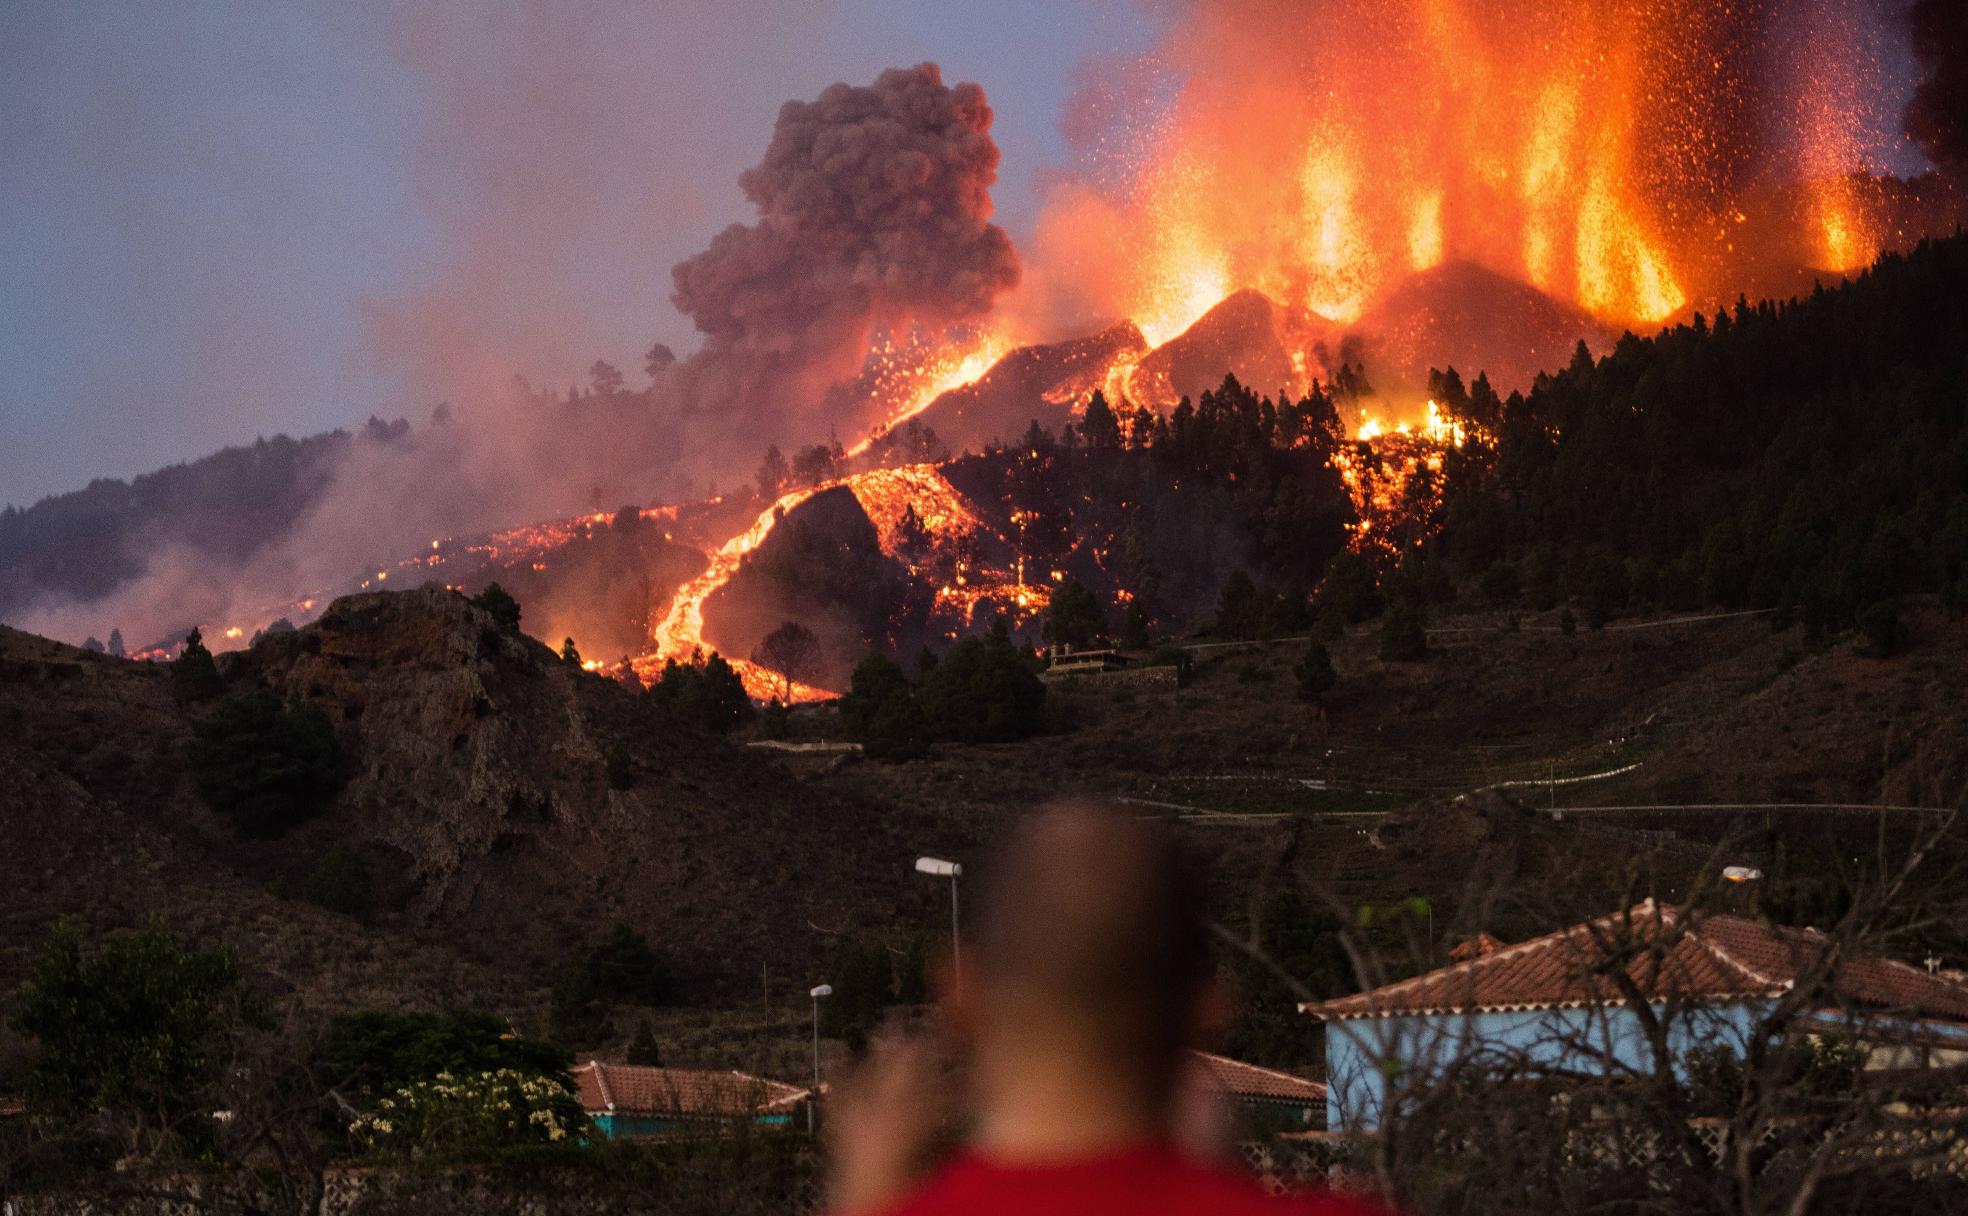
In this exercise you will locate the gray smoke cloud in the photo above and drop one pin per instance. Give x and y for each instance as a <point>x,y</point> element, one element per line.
<point>874,211</point>
<point>1937,116</point>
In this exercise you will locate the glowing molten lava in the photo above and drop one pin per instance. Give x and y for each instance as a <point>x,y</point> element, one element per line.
<point>913,384</point>
<point>891,499</point>
<point>1616,154</point>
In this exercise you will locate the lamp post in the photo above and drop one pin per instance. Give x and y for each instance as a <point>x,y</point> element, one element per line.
<point>816,994</point>
<point>938,868</point>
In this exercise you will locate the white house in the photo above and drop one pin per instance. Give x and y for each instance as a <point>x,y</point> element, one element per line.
<point>1569,1000</point>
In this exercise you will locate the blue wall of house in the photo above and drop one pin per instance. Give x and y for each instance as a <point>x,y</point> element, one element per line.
<point>1367,1059</point>
<point>620,1126</point>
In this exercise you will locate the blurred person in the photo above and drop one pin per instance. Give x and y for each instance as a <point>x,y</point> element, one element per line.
<point>1088,979</point>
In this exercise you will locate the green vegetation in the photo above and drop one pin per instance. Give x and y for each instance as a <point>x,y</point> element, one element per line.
<point>985,690</point>
<point>707,693</point>
<point>868,977</point>
<point>130,1035</point>
<point>194,673</point>
<point>643,1049</point>
<point>340,882</point>
<point>1810,454</point>
<point>369,1054</point>
<point>1073,617</point>
<point>499,602</point>
<point>471,1113</point>
<point>1290,932</point>
<point>793,651</point>
<point>619,969</point>
<point>1403,634</point>
<point>1315,673</point>
<point>265,765</point>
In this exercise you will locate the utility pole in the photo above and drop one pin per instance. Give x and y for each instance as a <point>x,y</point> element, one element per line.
<point>813,1099</point>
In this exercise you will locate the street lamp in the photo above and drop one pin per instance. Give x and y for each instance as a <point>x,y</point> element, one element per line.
<point>938,868</point>
<point>816,994</point>
<point>1741,873</point>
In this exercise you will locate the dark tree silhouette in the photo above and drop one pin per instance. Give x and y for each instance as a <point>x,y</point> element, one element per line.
<point>793,651</point>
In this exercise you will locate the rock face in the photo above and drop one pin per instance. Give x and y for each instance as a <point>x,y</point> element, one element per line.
<point>477,790</point>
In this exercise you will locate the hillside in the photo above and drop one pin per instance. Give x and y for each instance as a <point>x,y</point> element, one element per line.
<point>476,792</point>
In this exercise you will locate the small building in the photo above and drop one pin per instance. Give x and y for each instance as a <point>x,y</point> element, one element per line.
<point>629,1101</point>
<point>1066,661</point>
<point>1274,1097</point>
<point>1568,1000</point>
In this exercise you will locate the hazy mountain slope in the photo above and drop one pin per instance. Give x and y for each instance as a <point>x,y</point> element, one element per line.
<point>476,790</point>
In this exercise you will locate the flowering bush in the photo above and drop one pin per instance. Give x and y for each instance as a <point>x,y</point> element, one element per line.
<point>482,1110</point>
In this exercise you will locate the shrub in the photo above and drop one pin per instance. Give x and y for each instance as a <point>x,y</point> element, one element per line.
<point>340,882</point>
<point>1315,673</point>
<point>499,602</point>
<point>471,1112</point>
<point>984,691</point>
<point>265,765</point>
<point>707,693</point>
<point>1403,637</point>
<point>368,1053</point>
<point>129,1030</point>
<point>1885,633</point>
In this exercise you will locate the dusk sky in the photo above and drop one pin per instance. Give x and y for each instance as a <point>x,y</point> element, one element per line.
<point>210,214</point>
<point>225,220</point>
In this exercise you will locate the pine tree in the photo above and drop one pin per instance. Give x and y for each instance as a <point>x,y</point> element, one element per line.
<point>643,1050</point>
<point>1098,426</point>
<point>194,674</point>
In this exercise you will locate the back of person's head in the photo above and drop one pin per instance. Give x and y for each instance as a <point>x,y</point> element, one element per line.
<point>1091,937</point>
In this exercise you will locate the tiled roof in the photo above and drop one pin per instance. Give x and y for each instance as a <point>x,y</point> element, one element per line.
<point>1664,953</point>
<point>1241,1080</point>
<point>630,1089</point>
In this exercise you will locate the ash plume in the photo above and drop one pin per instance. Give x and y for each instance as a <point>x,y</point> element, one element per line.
<point>874,212</point>
<point>1937,116</point>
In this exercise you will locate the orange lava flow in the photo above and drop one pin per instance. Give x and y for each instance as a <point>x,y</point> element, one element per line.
<point>887,497</point>
<point>916,386</point>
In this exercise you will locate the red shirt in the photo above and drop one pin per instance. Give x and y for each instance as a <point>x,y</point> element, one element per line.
<point>1149,1181</point>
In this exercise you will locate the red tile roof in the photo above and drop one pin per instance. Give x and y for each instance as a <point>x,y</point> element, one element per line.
<point>1664,953</point>
<point>1241,1080</point>
<point>630,1089</point>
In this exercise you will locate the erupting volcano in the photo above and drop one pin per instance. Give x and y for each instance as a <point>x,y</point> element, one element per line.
<point>1324,201</point>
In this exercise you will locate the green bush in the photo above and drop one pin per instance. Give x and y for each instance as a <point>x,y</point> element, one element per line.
<point>707,693</point>
<point>500,603</point>
<point>366,1054</point>
<point>471,1112</point>
<point>1403,636</point>
<point>265,765</point>
<point>984,691</point>
<point>1315,673</point>
<point>340,882</point>
<point>129,1033</point>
